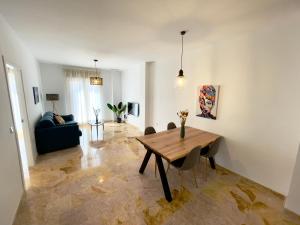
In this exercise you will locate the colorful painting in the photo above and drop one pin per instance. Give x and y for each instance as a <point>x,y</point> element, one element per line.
<point>207,101</point>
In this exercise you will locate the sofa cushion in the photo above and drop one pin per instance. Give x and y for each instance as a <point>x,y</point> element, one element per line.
<point>59,119</point>
<point>70,122</point>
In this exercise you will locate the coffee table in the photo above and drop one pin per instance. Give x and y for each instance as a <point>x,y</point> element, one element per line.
<point>93,123</point>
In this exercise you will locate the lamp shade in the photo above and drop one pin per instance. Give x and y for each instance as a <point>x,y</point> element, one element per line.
<point>96,80</point>
<point>52,97</point>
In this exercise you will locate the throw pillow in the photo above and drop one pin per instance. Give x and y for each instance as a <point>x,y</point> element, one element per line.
<point>59,119</point>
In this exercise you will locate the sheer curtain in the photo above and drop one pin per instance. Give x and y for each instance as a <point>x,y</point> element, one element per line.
<point>81,97</point>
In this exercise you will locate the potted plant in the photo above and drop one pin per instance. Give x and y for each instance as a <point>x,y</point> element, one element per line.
<point>118,110</point>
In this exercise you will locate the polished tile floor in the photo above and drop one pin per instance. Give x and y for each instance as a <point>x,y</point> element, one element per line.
<point>99,183</point>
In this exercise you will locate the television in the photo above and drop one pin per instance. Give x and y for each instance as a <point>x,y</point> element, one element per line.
<point>133,108</point>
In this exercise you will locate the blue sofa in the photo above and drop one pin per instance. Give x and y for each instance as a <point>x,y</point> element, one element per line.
<point>51,136</point>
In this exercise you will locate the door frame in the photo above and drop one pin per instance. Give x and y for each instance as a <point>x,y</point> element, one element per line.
<point>4,62</point>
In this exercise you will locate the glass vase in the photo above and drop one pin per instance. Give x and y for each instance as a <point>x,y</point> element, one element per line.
<point>182,130</point>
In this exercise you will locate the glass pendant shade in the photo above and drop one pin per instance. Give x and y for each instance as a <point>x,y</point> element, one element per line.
<point>180,81</point>
<point>96,81</point>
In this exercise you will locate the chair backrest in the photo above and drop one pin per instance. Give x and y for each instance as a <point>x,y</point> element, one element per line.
<point>191,159</point>
<point>214,147</point>
<point>149,130</point>
<point>171,126</point>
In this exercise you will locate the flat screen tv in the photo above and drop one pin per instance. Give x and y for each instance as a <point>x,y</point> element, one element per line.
<point>133,108</point>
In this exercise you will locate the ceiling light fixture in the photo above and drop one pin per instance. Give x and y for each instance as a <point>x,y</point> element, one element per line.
<point>97,79</point>
<point>180,75</point>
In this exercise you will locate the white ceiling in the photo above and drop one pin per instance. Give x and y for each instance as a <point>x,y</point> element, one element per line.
<point>121,32</point>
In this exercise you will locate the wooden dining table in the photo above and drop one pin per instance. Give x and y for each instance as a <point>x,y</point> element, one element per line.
<point>169,145</point>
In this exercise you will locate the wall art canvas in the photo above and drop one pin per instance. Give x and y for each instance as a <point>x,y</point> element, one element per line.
<point>207,101</point>
<point>36,95</point>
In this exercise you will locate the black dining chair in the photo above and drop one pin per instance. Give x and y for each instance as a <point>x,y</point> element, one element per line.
<point>187,163</point>
<point>171,126</point>
<point>209,152</point>
<point>150,130</point>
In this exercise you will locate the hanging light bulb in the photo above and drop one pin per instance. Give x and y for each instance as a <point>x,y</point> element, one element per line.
<point>180,76</point>
<point>97,79</point>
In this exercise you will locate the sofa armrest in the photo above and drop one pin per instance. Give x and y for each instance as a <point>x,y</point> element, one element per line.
<point>69,117</point>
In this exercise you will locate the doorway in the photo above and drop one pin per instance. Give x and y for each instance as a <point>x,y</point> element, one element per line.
<point>20,117</point>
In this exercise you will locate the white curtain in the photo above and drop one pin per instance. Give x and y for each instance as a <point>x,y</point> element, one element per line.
<point>81,97</point>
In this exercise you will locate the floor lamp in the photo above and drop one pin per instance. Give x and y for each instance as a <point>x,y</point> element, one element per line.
<point>53,98</point>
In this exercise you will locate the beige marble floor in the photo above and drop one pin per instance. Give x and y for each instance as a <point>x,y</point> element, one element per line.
<point>99,183</point>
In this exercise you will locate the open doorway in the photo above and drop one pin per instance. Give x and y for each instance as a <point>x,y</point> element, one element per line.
<point>20,117</point>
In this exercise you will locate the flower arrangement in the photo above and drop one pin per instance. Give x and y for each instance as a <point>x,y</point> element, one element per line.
<point>183,116</point>
<point>96,112</point>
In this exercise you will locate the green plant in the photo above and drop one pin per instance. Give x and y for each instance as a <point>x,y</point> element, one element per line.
<point>118,110</point>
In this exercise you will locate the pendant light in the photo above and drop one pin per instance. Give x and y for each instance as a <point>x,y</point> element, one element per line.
<point>97,79</point>
<point>180,74</point>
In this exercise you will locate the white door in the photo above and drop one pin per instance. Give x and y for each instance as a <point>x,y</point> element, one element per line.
<point>10,170</point>
<point>18,104</point>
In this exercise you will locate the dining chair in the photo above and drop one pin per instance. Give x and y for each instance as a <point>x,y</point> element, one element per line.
<point>188,162</point>
<point>209,152</point>
<point>171,126</point>
<point>150,130</point>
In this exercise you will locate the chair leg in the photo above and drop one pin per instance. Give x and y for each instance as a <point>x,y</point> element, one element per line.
<point>206,168</point>
<point>155,168</point>
<point>195,176</point>
<point>181,178</point>
<point>168,167</point>
<point>200,167</point>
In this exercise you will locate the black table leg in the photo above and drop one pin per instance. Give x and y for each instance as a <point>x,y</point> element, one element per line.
<point>145,161</point>
<point>212,162</point>
<point>163,178</point>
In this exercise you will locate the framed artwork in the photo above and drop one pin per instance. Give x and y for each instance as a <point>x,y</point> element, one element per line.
<point>36,95</point>
<point>207,101</point>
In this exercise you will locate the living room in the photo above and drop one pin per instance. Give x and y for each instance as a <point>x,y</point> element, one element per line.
<point>198,73</point>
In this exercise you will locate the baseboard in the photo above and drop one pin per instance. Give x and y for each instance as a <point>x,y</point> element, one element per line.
<point>281,196</point>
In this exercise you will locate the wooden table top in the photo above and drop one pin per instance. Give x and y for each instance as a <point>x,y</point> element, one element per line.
<point>170,146</point>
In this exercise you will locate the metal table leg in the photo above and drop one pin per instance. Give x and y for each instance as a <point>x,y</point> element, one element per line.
<point>145,161</point>
<point>91,132</point>
<point>97,131</point>
<point>163,178</point>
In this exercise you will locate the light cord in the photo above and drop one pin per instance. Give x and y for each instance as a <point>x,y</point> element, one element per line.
<point>181,50</point>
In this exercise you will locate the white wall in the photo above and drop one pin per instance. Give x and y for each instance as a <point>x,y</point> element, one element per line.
<point>11,188</point>
<point>293,199</point>
<point>258,110</point>
<point>18,55</point>
<point>54,81</point>
<point>133,89</point>
<point>117,87</point>
<point>112,90</point>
